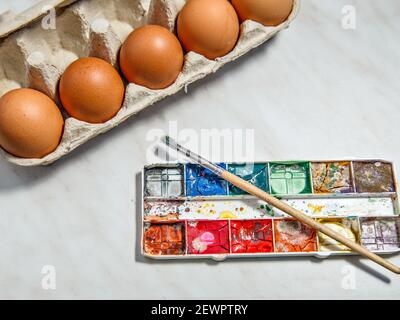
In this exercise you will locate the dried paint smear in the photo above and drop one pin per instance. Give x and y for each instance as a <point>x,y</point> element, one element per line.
<point>208,237</point>
<point>294,236</point>
<point>380,234</point>
<point>251,236</point>
<point>383,206</point>
<point>164,239</point>
<point>161,210</point>
<point>224,209</point>
<point>373,177</point>
<point>331,177</point>
<point>257,209</point>
<point>347,227</point>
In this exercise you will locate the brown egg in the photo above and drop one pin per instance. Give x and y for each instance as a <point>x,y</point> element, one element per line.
<point>91,90</point>
<point>152,57</point>
<point>267,12</point>
<point>208,27</point>
<point>31,125</point>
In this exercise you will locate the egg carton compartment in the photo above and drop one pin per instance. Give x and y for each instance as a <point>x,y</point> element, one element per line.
<point>35,55</point>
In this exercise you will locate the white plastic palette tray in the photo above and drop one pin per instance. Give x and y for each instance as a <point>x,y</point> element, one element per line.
<point>190,213</point>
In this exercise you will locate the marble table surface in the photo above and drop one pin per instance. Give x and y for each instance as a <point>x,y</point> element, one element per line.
<point>317,91</point>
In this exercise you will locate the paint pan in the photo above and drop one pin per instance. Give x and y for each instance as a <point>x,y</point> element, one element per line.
<point>188,212</point>
<point>290,178</point>
<point>332,177</point>
<point>208,237</point>
<point>380,234</point>
<point>293,236</point>
<point>251,236</point>
<point>164,239</point>
<point>347,227</point>
<point>164,182</point>
<point>202,182</point>
<point>255,173</point>
<point>374,176</point>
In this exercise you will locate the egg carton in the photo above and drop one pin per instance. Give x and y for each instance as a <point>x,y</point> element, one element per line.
<point>36,49</point>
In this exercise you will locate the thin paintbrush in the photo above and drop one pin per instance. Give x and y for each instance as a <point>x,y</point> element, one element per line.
<point>251,189</point>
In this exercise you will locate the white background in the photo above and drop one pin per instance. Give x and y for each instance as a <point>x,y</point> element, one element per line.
<point>315,91</point>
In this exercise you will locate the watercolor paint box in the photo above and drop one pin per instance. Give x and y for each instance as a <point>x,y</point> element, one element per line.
<point>188,212</point>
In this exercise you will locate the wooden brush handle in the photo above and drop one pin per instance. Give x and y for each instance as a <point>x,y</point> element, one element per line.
<point>246,186</point>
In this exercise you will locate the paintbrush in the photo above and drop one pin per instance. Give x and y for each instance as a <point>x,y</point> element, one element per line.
<point>273,201</point>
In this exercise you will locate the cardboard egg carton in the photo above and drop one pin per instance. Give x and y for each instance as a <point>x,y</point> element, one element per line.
<point>36,49</point>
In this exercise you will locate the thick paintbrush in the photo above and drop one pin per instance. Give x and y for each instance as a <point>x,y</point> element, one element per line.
<point>251,189</point>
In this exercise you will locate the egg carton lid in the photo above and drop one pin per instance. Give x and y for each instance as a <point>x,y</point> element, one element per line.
<point>32,14</point>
